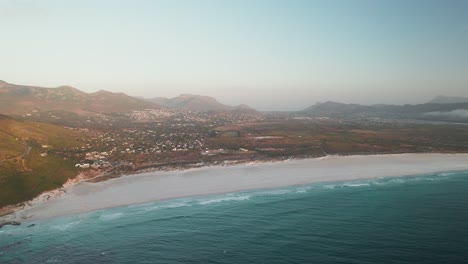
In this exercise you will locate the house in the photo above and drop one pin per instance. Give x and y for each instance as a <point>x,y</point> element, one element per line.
<point>83,165</point>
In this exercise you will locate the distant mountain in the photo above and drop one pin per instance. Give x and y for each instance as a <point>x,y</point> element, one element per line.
<point>454,112</point>
<point>197,103</point>
<point>441,99</point>
<point>20,99</point>
<point>163,101</point>
<point>333,108</point>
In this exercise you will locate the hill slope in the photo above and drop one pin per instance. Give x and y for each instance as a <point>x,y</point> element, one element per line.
<point>24,173</point>
<point>20,99</point>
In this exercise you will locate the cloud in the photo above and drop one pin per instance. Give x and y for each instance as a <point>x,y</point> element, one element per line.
<point>454,114</point>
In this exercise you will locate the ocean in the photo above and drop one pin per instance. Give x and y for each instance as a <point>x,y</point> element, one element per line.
<point>412,219</point>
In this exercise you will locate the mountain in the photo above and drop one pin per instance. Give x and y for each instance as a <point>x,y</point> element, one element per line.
<point>333,108</point>
<point>21,99</point>
<point>441,99</point>
<point>454,112</point>
<point>163,101</point>
<point>197,103</point>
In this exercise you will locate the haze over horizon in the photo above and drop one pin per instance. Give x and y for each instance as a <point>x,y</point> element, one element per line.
<point>271,55</point>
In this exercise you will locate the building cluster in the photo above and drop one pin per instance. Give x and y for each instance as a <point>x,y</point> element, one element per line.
<point>155,132</point>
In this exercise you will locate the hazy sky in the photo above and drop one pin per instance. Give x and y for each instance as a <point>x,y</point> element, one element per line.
<point>268,54</point>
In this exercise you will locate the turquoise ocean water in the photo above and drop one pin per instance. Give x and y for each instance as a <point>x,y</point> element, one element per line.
<point>417,219</point>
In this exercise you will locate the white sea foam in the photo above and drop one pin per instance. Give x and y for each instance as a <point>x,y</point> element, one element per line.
<point>352,184</point>
<point>303,189</point>
<point>111,216</point>
<point>167,206</point>
<point>63,227</point>
<point>445,174</point>
<point>355,184</point>
<point>225,199</point>
<point>275,192</point>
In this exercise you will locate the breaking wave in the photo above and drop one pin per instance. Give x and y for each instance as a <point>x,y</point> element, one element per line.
<point>111,216</point>
<point>65,226</point>
<point>225,199</point>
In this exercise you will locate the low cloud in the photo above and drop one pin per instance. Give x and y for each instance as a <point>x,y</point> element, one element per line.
<point>454,114</point>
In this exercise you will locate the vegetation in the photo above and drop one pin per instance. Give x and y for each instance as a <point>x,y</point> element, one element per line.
<point>343,137</point>
<point>40,174</point>
<point>24,172</point>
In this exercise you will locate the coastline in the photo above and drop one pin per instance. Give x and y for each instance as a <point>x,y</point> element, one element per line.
<point>79,196</point>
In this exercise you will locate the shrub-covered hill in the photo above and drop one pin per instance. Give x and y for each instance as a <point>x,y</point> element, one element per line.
<point>34,157</point>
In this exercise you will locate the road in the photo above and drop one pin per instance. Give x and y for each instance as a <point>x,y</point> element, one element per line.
<point>27,149</point>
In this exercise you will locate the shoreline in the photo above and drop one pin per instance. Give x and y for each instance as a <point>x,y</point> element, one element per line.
<point>80,196</point>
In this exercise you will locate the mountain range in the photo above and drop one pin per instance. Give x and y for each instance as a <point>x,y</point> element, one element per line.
<point>199,103</point>
<point>21,99</point>
<point>456,112</point>
<point>441,99</point>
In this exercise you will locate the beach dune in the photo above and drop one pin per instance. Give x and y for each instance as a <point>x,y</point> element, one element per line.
<point>155,186</point>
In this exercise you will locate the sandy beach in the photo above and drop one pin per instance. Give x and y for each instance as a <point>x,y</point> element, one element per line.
<point>157,186</point>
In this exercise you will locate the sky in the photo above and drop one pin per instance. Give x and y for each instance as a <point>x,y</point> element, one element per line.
<point>269,54</point>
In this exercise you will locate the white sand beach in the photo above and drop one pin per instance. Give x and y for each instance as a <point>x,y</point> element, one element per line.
<point>156,186</point>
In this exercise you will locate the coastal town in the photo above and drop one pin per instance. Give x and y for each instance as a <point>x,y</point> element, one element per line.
<point>151,137</point>
<point>164,139</point>
<point>166,131</point>
<point>54,135</point>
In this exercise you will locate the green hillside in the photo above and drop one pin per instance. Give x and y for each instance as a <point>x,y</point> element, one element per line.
<point>24,172</point>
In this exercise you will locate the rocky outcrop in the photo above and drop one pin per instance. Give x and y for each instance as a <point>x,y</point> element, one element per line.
<point>2,224</point>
